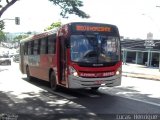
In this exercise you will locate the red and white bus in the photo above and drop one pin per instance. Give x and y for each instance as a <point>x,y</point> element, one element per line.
<point>76,55</point>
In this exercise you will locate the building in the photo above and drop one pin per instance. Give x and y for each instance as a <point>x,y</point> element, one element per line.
<point>146,52</point>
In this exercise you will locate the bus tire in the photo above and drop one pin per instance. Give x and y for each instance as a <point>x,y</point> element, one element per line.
<point>28,74</point>
<point>52,80</point>
<point>94,88</point>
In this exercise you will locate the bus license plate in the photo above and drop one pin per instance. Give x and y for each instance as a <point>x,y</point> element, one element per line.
<point>99,82</point>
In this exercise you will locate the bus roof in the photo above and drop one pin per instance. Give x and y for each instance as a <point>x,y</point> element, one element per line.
<point>40,35</point>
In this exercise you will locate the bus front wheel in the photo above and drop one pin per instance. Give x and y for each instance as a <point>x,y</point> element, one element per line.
<point>53,83</point>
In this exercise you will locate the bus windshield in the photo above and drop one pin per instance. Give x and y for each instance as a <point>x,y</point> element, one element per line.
<point>95,49</point>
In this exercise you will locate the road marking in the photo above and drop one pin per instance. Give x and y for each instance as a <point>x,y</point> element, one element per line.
<point>147,102</point>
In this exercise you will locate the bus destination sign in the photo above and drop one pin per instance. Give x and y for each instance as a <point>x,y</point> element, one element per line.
<point>93,28</point>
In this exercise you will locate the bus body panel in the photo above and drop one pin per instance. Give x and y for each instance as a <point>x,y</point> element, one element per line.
<point>39,65</point>
<point>94,77</point>
<point>98,69</point>
<point>79,82</point>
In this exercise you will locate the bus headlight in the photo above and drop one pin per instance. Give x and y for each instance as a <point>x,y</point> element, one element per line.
<point>119,71</point>
<point>72,71</point>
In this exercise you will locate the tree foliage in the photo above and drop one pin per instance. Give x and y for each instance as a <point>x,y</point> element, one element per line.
<point>70,7</point>
<point>20,37</point>
<point>67,7</point>
<point>2,36</point>
<point>4,7</point>
<point>53,25</point>
<point>2,25</point>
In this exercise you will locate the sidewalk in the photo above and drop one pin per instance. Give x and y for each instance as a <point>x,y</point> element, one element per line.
<point>140,71</point>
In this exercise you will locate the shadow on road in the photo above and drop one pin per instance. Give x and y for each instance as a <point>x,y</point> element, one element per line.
<point>131,92</point>
<point>72,92</point>
<point>100,100</point>
<point>70,104</point>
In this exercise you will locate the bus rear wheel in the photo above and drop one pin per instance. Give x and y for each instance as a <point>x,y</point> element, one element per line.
<point>53,83</point>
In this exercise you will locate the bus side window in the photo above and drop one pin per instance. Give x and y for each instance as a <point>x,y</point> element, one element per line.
<point>26,48</point>
<point>22,48</point>
<point>43,46</point>
<point>46,38</point>
<point>51,44</point>
<point>29,48</point>
<point>39,45</point>
<point>32,47</point>
<point>35,50</point>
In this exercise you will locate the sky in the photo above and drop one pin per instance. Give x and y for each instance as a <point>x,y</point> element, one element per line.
<point>134,18</point>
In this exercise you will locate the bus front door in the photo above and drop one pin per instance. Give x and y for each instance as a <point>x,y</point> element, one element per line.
<point>62,61</point>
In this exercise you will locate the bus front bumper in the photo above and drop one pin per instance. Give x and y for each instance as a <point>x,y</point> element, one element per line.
<point>79,82</point>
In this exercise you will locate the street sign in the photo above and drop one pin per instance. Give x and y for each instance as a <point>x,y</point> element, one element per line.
<point>149,43</point>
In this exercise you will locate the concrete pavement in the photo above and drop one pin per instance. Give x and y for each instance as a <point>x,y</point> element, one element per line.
<point>141,71</point>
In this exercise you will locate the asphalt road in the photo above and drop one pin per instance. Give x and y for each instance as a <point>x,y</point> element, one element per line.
<point>34,100</point>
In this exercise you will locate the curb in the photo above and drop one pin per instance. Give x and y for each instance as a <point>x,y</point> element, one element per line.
<point>142,76</point>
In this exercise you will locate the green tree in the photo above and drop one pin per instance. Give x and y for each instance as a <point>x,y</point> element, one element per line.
<point>4,7</point>
<point>2,36</point>
<point>53,25</point>
<point>67,7</point>
<point>20,37</point>
<point>70,7</point>
<point>2,25</point>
